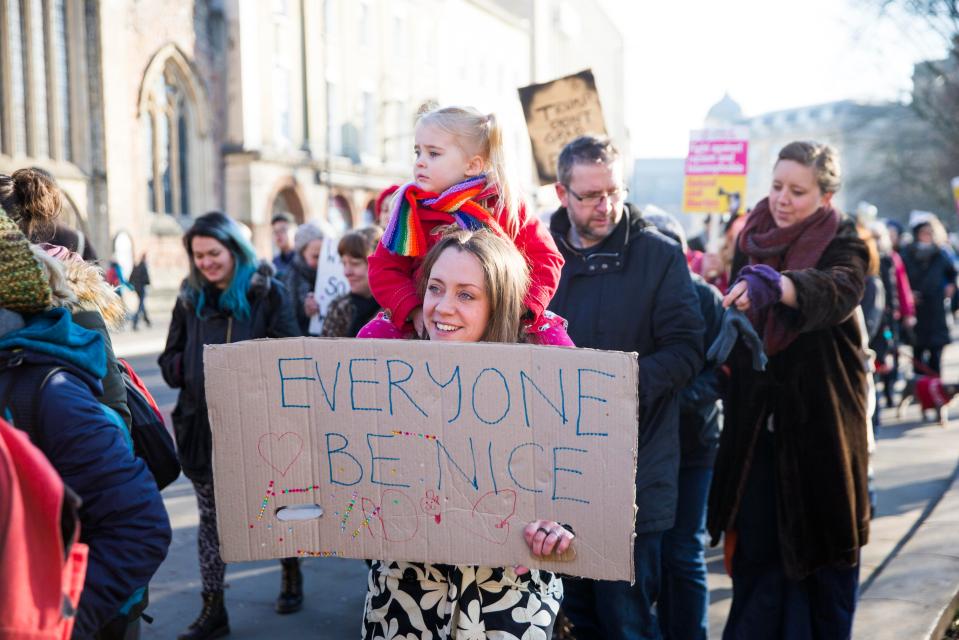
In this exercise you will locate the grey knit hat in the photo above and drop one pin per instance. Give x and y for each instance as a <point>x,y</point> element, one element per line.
<point>305,234</point>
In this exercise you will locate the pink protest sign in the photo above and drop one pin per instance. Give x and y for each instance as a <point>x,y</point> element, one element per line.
<point>716,168</point>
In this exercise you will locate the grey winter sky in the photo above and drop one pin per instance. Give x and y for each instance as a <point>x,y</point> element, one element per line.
<point>768,54</point>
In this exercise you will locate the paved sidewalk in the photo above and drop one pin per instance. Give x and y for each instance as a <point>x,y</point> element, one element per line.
<point>129,343</point>
<point>915,594</point>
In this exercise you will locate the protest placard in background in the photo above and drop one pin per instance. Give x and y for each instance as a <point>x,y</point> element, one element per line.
<point>716,167</point>
<point>422,451</point>
<point>557,112</point>
<point>330,281</point>
<point>955,192</point>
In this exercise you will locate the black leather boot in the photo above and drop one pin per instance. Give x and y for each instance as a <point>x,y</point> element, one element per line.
<point>212,621</point>
<point>290,599</point>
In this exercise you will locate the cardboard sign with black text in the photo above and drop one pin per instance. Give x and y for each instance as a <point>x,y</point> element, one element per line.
<point>423,451</point>
<point>556,113</point>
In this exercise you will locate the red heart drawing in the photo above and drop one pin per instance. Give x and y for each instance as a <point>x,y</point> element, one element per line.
<point>283,456</point>
<point>397,515</point>
<point>491,514</point>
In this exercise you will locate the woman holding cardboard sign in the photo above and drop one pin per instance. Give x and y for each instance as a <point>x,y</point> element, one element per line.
<point>473,287</point>
<point>226,298</point>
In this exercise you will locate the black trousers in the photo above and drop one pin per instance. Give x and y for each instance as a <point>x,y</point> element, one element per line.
<point>766,603</point>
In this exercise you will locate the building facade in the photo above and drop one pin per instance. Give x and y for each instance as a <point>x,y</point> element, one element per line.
<point>863,133</point>
<point>150,113</point>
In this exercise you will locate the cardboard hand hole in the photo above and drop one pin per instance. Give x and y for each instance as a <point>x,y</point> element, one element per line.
<point>299,512</point>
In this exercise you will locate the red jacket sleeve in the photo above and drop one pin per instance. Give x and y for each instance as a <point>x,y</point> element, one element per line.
<point>907,304</point>
<point>545,261</point>
<point>393,285</point>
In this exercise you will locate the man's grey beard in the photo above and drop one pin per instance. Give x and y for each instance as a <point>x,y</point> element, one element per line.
<point>578,233</point>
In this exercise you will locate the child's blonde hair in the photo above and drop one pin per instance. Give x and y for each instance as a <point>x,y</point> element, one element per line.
<point>480,134</point>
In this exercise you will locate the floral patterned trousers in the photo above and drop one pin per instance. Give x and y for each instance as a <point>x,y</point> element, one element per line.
<point>411,601</point>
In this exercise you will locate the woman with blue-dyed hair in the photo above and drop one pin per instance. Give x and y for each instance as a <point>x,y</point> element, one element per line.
<point>228,297</point>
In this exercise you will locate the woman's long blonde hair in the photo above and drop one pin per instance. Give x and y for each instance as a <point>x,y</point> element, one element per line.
<point>505,272</point>
<point>481,134</point>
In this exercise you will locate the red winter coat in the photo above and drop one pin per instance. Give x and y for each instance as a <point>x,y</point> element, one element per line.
<point>393,277</point>
<point>907,304</point>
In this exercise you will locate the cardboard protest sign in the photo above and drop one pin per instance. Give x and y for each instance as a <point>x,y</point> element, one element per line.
<point>557,112</point>
<point>716,167</point>
<point>422,451</point>
<point>330,282</point>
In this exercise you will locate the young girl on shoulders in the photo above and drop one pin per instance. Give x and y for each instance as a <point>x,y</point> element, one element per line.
<point>459,177</point>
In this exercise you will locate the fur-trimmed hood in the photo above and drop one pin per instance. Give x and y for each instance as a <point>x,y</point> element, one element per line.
<point>93,293</point>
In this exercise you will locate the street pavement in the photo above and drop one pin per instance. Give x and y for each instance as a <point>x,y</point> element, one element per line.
<point>914,464</point>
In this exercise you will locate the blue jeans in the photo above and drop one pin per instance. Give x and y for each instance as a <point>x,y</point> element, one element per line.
<point>618,610</point>
<point>684,602</point>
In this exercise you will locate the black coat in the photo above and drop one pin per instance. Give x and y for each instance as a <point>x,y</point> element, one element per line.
<point>700,411</point>
<point>632,292</point>
<point>816,390</point>
<point>300,281</point>
<point>271,316</point>
<point>140,277</point>
<point>929,272</point>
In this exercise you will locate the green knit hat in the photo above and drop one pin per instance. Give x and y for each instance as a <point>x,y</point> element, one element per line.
<point>23,286</point>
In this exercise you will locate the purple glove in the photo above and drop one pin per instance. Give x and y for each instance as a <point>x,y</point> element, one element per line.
<point>764,285</point>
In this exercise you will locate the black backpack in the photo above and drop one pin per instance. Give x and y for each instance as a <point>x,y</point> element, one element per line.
<point>151,440</point>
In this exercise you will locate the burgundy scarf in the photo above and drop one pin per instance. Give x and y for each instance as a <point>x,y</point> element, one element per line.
<point>798,246</point>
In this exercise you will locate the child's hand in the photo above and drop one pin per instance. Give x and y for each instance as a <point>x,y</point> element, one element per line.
<point>418,323</point>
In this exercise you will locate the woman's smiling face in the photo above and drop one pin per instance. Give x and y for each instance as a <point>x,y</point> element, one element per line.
<point>213,260</point>
<point>456,304</point>
<point>794,194</point>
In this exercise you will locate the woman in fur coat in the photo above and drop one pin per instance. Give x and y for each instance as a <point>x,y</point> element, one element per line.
<point>790,484</point>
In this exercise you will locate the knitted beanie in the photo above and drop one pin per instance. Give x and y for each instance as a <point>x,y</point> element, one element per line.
<point>23,287</point>
<point>305,234</point>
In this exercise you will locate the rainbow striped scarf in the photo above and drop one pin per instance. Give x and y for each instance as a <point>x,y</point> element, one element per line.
<point>404,233</point>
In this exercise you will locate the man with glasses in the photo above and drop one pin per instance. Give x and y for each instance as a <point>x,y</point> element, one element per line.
<point>626,287</point>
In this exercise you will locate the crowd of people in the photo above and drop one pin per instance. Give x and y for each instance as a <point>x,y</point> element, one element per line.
<point>801,302</point>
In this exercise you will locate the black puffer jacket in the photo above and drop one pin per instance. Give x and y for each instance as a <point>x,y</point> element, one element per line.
<point>700,411</point>
<point>271,316</point>
<point>632,292</point>
<point>930,270</point>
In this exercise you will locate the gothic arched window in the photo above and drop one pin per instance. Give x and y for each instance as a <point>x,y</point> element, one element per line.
<point>168,127</point>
